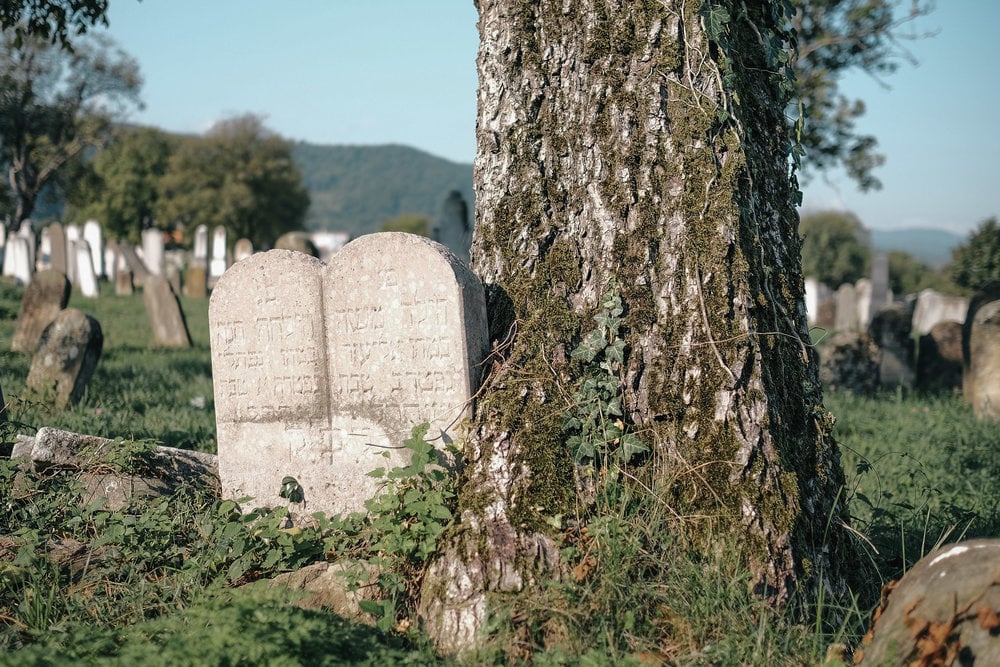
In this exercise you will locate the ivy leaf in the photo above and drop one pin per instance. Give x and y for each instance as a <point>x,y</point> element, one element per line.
<point>716,19</point>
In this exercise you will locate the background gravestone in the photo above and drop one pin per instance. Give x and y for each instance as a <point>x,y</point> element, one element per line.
<point>165,314</point>
<point>452,228</point>
<point>890,329</point>
<point>939,357</point>
<point>242,249</point>
<point>933,307</point>
<point>196,282</point>
<point>94,237</point>
<point>981,352</point>
<point>218,264</point>
<point>85,274</point>
<point>111,260</point>
<point>847,309</point>
<point>72,236</point>
<point>152,251</point>
<point>47,294</point>
<point>130,260</point>
<point>57,248</point>
<point>200,252</point>
<point>17,260</point>
<point>67,355</point>
<point>318,371</point>
<point>849,361</point>
<point>863,302</point>
<point>44,260</point>
<point>297,241</point>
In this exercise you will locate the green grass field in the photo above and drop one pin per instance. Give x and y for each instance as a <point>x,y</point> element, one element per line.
<point>161,587</point>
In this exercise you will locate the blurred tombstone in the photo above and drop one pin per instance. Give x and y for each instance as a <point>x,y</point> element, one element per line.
<point>110,260</point>
<point>847,309</point>
<point>298,242</point>
<point>890,330</point>
<point>881,296</point>
<point>57,253</point>
<point>242,249</point>
<point>981,352</point>
<point>318,369</point>
<point>44,259</point>
<point>173,275</point>
<point>27,232</point>
<point>196,282</point>
<point>939,357</point>
<point>933,307</point>
<point>72,236</point>
<point>452,228</point>
<point>812,299</point>
<point>328,243</point>
<point>863,302</point>
<point>943,611</point>
<point>826,313</point>
<point>17,260</point>
<point>218,264</point>
<point>67,354</point>
<point>200,256</point>
<point>86,276</point>
<point>124,284</point>
<point>94,236</point>
<point>165,314</point>
<point>129,259</point>
<point>849,361</point>
<point>47,294</point>
<point>152,251</point>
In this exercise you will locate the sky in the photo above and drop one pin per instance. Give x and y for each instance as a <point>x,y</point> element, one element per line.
<point>404,72</point>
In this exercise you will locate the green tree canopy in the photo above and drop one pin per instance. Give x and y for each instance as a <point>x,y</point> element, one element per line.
<point>239,175</point>
<point>411,223</point>
<point>55,105</point>
<point>120,186</point>
<point>52,19</point>
<point>835,247</point>
<point>977,261</point>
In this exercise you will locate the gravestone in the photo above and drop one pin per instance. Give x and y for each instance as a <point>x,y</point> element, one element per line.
<point>847,309</point>
<point>452,228</point>
<point>943,611</point>
<point>57,251</point>
<point>85,274</point>
<point>17,260</point>
<point>242,249</point>
<point>196,282</point>
<point>812,299</point>
<point>218,264</point>
<point>849,361</point>
<point>297,241</point>
<point>93,235</point>
<point>319,370</point>
<point>200,257</point>
<point>47,294</point>
<point>129,259</point>
<point>124,285</point>
<point>152,251</point>
<point>939,357</point>
<point>890,329</point>
<point>863,301</point>
<point>881,296</point>
<point>27,232</point>
<point>173,275</point>
<point>66,357</point>
<point>933,307</point>
<point>981,352</point>
<point>111,260</point>
<point>44,260</point>
<point>165,314</point>
<point>72,236</point>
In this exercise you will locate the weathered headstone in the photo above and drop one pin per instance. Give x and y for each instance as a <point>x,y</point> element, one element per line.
<point>66,357</point>
<point>939,357</point>
<point>152,250</point>
<point>196,282</point>
<point>933,307</point>
<point>200,257</point>
<point>44,260</point>
<point>85,275</point>
<point>863,302</point>
<point>297,241</point>
<point>890,329</point>
<point>165,314</point>
<point>124,286</point>
<point>47,294</point>
<point>981,352</point>
<point>319,370</point>
<point>218,264</point>
<point>17,259</point>
<point>242,249</point>
<point>452,228</point>
<point>94,236</point>
<point>849,361</point>
<point>847,309</point>
<point>881,295</point>
<point>944,611</point>
<point>72,236</point>
<point>129,259</point>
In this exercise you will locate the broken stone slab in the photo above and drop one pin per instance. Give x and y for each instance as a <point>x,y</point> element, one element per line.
<point>160,474</point>
<point>945,610</point>
<point>328,586</point>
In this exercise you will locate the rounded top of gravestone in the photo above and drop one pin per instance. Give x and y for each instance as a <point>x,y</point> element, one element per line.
<point>298,242</point>
<point>409,247</point>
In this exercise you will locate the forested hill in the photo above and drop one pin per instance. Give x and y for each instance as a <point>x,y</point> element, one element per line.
<point>357,188</point>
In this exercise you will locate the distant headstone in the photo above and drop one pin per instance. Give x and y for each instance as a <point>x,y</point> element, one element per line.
<point>110,260</point>
<point>452,228</point>
<point>85,274</point>
<point>319,370</point>
<point>881,295</point>
<point>939,357</point>
<point>297,241</point>
<point>195,282</point>
<point>849,361</point>
<point>27,232</point>
<point>812,299</point>
<point>17,260</point>
<point>847,309</point>
<point>152,251</point>
<point>329,242</point>
<point>73,235</point>
<point>981,352</point>
<point>933,307</point>
<point>44,259</point>
<point>943,611</point>
<point>57,248</point>
<point>863,302</point>
<point>124,286</point>
<point>826,313</point>
<point>132,261</point>
<point>200,257</point>
<point>165,314</point>
<point>94,236</point>
<point>218,264</point>
<point>47,294</point>
<point>890,329</point>
<point>242,250</point>
<point>66,357</point>
<point>173,275</point>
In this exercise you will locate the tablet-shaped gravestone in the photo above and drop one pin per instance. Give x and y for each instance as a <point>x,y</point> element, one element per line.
<point>319,370</point>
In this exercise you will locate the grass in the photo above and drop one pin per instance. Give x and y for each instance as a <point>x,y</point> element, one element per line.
<point>159,581</point>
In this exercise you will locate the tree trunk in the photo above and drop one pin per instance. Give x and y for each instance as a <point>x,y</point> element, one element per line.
<point>643,142</point>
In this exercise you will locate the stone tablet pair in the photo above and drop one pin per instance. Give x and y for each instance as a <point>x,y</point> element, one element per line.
<point>320,370</point>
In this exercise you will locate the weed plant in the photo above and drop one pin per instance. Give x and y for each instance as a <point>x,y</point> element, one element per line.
<point>160,582</point>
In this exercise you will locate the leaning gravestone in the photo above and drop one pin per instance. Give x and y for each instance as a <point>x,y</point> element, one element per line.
<point>47,294</point>
<point>319,371</point>
<point>94,237</point>
<point>165,315</point>
<point>66,357</point>
<point>152,251</point>
<point>981,352</point>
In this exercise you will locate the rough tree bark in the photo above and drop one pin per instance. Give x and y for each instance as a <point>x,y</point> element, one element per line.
<point>642,140</point>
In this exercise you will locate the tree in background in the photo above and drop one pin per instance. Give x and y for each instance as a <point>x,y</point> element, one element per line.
<point>55,105</point>
<point>835,247</point>
<point>636,234</point>
<point>119,187</point>
<point>410,223</point>
<point>52,19</point>
<point>977,261</point>
<point>239,175</point>
<point>834,37</point>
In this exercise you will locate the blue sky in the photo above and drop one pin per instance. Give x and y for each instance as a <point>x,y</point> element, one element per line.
<point>404,71</point>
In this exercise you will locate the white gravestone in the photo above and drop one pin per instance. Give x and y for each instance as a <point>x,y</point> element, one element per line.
<point>27,232</point>
<point>72,236</point>
<point>152,251</point>
<point>85,274</point>
<point>17,261</point>
<point>218,264</point>
<point>93,235</point>
<point>44,259</point>
<point>933,307</point>
<point>319,370</point>
<point>200,246</point>
<point>242,250</point>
